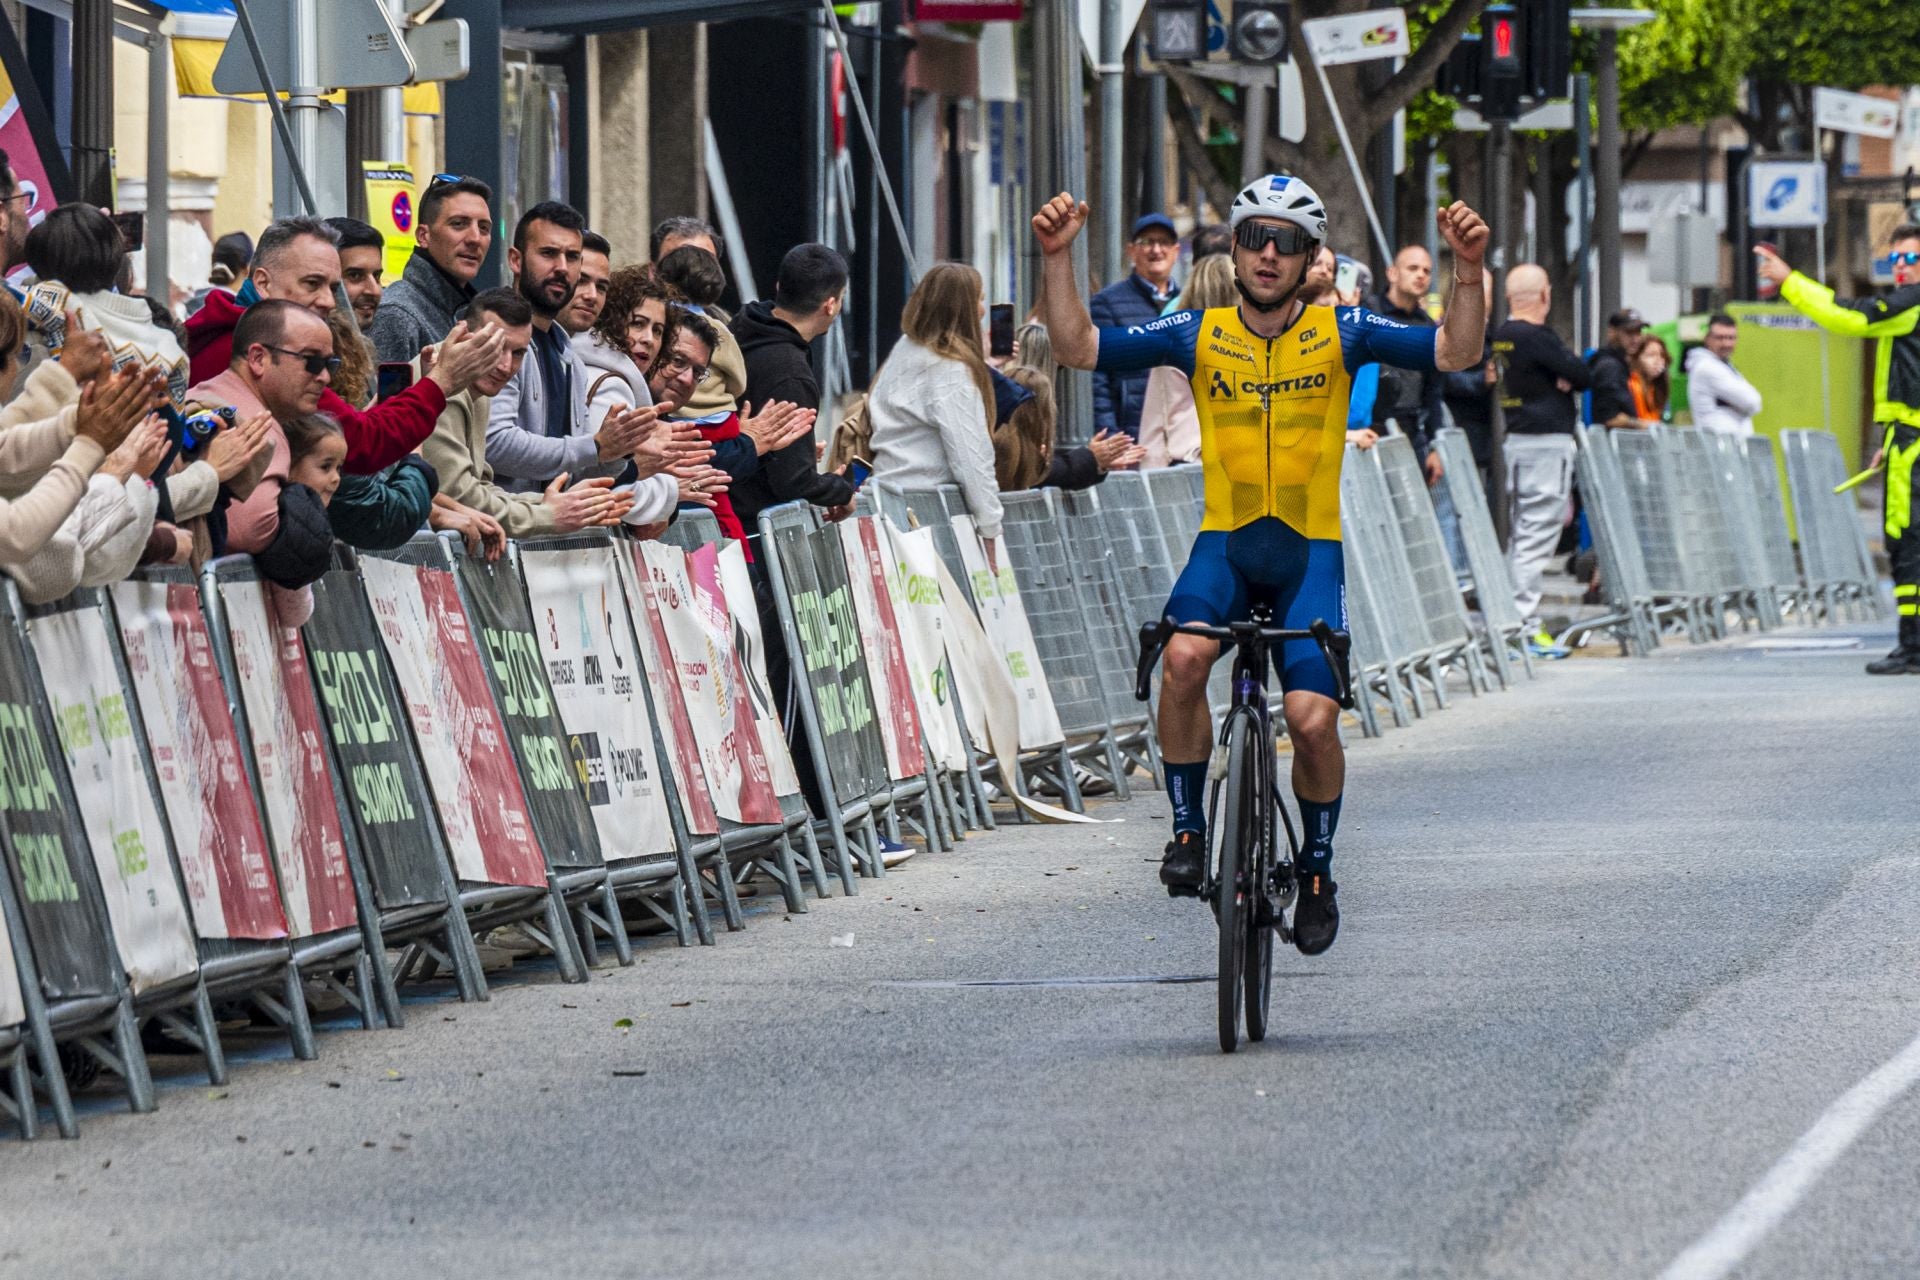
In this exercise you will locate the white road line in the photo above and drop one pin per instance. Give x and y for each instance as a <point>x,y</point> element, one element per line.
<point>1763,1208</point>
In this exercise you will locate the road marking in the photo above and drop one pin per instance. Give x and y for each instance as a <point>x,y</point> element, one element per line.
<point>1793,1175</point>
<point>1055,982</point>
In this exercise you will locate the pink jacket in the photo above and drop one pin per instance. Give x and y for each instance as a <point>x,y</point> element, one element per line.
<point>1169,422</point>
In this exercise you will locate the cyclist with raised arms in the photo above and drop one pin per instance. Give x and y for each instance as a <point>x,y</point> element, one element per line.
<point>1270,378</point>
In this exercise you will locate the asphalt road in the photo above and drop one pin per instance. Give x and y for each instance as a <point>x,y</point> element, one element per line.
<point>1614,943</point>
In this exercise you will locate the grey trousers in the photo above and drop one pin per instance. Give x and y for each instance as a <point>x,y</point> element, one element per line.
<point>1539,479</point>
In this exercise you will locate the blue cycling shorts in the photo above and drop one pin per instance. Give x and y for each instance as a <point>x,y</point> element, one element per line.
<point>1302,580</point>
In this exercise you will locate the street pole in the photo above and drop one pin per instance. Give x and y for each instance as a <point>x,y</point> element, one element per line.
<point>1060,164</point>
<point>1820,274</point>
<point>1113,216</point>
<point>303,95</point>
<point>1583,215</point>
<point>1606,207</point>
<point>1253,129</point>
<point>159,169</point>
<point>1154,170</point>
<point>93,101</point>
<point>1499,200</point>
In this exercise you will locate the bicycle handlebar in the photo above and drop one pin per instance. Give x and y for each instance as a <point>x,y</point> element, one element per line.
<point>1334,646</point>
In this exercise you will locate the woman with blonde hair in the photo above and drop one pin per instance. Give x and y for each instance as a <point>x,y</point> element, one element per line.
<point>1023,444</point>
<point>931,405</point>
<point>1169,422</point>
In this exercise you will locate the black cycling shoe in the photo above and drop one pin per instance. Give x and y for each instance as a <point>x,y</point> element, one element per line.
<point>1316,916</point>
<point>1184,865</point>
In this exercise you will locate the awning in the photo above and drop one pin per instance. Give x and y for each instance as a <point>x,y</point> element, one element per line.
<point>585,16</point>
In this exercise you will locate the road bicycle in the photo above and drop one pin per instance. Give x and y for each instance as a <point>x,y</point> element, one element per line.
<point>1249,886</point>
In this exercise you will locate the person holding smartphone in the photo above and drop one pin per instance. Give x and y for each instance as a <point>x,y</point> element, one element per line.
<point>776,340</point>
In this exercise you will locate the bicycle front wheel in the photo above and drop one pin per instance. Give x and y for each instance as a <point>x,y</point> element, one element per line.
<point>1238,861</point>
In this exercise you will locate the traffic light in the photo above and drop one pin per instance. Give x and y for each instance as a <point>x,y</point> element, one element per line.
<point>1460,74</point>
<point>1502,49</point>
<point>1178,31</point>
<point>1549,55</point>
<point>1262,31</point>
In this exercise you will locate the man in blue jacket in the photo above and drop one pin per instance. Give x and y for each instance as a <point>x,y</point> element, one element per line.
<point>1139,299</point>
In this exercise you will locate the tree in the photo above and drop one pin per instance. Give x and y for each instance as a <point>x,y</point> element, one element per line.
<point>1843,44</point>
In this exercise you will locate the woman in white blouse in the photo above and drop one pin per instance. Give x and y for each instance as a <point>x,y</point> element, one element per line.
<point>931,407</point>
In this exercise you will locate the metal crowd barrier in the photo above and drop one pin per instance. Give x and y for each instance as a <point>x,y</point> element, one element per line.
<point>1504,630</point>
<point>1691,527</point>
<point>1065,634</point>
<point>1439,598</point>
<point>1837,567</point>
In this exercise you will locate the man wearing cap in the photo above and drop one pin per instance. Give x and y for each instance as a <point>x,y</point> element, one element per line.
<point>1137,300</point>
<point>1611,403</point>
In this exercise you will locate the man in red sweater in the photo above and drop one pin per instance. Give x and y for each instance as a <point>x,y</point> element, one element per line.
<point>297,260</point>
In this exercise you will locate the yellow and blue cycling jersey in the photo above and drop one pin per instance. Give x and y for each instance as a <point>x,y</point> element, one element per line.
<point>1273,432</point>
<point>1273,411</point>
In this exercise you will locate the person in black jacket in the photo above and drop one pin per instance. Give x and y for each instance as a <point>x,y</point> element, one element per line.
<point>775,340</point>
<point>1610,402</point>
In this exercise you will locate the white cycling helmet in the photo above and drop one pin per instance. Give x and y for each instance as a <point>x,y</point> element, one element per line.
<point>1282,196</point>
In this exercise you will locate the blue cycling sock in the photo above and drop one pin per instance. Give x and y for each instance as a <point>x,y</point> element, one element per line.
<point>1319,821</point>
<point>1187,788</point>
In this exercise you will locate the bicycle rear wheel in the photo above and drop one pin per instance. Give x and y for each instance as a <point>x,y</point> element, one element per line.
<point>1238,858</point>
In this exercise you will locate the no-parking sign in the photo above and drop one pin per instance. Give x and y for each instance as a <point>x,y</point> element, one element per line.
<point>390,209</point>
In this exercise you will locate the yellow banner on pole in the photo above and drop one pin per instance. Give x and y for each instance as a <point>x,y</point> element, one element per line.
<point>390,208</point>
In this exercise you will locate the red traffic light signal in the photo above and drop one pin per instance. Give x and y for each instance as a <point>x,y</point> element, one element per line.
<point>1503,39</point>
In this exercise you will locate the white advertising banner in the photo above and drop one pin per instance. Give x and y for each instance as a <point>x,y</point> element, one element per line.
<point>723,728</point>
<point>462,740</point>
<point>1005,619</point>
<point>124,827</point>
<point>736,583</point>
<point>13,1009</point>
<point>984,683</point>
<point>893,695</point>
<point>593,665</point>
<point>290,758</point>
<point>1358,37</point>
<point>1861,113</point>
<point>913,580</point>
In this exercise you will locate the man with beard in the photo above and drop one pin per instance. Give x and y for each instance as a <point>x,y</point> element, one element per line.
<point>538,426</point>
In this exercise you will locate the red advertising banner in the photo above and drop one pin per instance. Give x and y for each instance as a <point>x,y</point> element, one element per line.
<point>886,660</point>
<point>463,743</point>
<point>669,699</point>
<point>968,10</point>
<point>290,757</point>
<point>196,752</point>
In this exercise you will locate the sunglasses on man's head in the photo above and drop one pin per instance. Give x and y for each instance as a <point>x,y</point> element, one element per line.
<point>1908,259</point>
<point>315,364</point>
<point>1287,238</point>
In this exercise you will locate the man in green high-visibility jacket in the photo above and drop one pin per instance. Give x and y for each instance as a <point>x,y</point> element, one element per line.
<point>1894,322</point>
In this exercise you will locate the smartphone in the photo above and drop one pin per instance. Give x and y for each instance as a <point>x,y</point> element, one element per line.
<point>1346,277</point>
<point>395,376</point>
<point>1000,330</point>
<point>133,229</point>
<point>859,470</point>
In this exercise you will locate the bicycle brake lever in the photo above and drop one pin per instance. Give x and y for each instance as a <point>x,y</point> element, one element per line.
<point>1334,647</point>
<point>1153,639</point>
